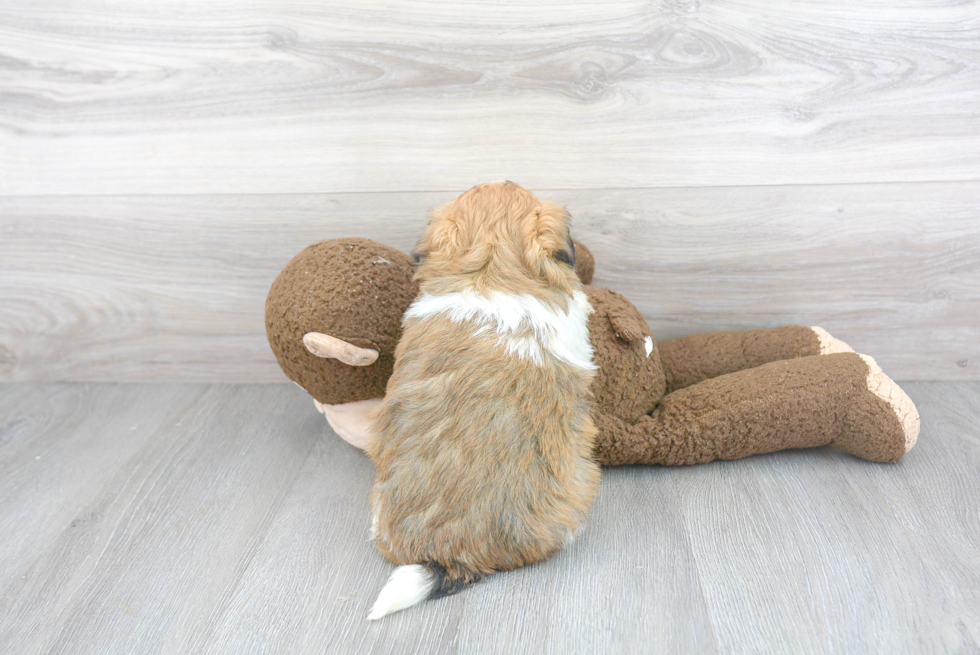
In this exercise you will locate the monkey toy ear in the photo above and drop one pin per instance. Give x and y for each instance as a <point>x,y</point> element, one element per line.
<point>324,345</point>
<point>628,327</point>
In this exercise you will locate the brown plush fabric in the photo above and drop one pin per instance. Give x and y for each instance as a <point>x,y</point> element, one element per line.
<point>734,393</point>
<point>871,429</point>
<point>799,403</point>
<point>689,360</point>
<point>352,289</point>
<point>629,383</point>
<point>584,262</point>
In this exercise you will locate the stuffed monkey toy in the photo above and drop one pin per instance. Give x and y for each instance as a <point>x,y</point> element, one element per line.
<point>333,318</point>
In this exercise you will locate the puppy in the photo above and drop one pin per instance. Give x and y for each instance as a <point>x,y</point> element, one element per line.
<point>483,442</point>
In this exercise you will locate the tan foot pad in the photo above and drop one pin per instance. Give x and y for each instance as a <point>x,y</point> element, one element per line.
<point>830,344</point>
<point>885,388</point>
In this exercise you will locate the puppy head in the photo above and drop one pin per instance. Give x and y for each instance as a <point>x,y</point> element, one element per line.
<point>498,237</point>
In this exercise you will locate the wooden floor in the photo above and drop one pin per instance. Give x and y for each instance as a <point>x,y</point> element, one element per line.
<point>186,518</point>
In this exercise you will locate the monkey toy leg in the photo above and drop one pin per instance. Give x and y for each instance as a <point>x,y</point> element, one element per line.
<point>842,399</point>
<point>699,357</point>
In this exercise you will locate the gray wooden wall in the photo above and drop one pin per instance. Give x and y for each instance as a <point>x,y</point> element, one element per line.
<point>732,164</point>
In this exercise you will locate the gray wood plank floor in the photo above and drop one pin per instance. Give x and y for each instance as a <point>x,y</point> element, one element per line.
<point>186,518</point>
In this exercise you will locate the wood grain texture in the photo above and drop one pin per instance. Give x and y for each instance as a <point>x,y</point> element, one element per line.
<point>160,540</point>
<point>115,97</point>
<point>55,452</point>
<point>173,288</point>
<point>237,522</point>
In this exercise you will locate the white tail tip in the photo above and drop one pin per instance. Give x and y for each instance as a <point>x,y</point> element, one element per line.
<point>407,585</point>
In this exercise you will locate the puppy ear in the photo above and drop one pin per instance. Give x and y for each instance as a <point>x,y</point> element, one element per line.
<point>545,235</point>
<point>568,255</point>
<point>440,244</point>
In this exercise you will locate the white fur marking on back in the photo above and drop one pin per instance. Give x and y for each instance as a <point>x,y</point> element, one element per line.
<point>648,345</point>
<point>525,348</point>
<point>563,334</point>
<point>407,585</point>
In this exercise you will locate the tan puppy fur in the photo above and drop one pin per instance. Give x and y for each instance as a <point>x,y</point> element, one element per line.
<point>483,442</point>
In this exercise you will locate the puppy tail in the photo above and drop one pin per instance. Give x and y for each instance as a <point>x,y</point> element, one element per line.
<point>414,583</point>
